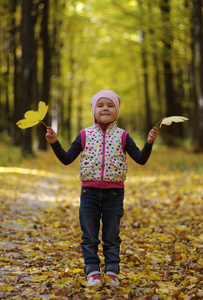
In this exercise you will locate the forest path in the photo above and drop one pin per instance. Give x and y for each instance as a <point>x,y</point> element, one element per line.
<point>161,231</point>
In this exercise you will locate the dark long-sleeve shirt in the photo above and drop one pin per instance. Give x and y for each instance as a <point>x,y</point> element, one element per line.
<point>67,157</point>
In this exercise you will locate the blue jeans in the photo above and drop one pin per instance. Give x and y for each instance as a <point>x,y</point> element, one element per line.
<point>107,205</point>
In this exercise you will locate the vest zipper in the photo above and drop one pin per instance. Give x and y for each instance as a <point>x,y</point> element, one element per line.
<point>103,157</point>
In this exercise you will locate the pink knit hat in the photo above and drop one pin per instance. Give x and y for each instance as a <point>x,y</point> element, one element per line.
<point>105,94</point>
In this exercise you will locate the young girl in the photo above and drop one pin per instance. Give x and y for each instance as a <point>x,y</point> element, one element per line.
<point>102,172</point>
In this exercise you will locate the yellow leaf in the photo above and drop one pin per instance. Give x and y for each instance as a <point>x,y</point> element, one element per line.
<point>66,280</point>
<point>130,264</point>
<point>38,257</point>
<point>39,278</point>
<point>154,258</point>
<point>121,276</point>
<point>33,254</point>
<point>59,285</point>
<point>168,121</point>
<point>191,286</point>
<point>27,292</point>
<point>134,277</point>
<point>200,262</point>
<point>176,276</point>
<point>184,283</point>
<point>97,295</point>
<point>10,260</point>
<point>161,292</point>
<point>4,258</point>
<point>166,284</point>
<point>193,279</point>
<point>78,270</point>
<point>10,277</point>
<point>82,281</point>
<point>200,238</point>
<point>183,256</point>
<point>32,118</point>
<point>63,245</point>
<point>153,276</point>
<point>102,261</point>
<point>8,288</point>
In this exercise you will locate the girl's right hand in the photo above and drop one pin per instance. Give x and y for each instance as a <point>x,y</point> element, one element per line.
<point>51,135</point>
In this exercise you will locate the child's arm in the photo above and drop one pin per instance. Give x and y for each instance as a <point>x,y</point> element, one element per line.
<point>51,135</point>
<point>66,157</point>
<point>152,135</point>
<point>141,157</point>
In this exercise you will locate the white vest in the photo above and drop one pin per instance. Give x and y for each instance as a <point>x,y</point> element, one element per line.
<point>103,157</point>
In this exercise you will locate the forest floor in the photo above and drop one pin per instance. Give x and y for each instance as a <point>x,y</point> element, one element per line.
<point>161,231</point>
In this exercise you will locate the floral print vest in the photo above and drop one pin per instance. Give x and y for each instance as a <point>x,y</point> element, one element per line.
<point>103,157</point>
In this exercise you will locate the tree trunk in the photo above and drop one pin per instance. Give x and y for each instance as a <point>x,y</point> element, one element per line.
<point>79,106</point>
<point>7,109</point>
<point>146,89</point>
<point>70,88</point>
<point>17,79</point>
<point>158,93</point>
<point>56,67</point>
<point>193,91</point>
<point>28,69</point>
<point>41,129</point>
<point>171,105</point>
<point>197,4</point>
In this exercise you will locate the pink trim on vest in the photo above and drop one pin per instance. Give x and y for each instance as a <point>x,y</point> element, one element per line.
<point>124,136</point>
<point>83,138</point>
<point>103,185</point>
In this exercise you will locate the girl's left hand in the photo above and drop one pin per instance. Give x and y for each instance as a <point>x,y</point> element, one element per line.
<point>152,135</point>
<point>51,135</point>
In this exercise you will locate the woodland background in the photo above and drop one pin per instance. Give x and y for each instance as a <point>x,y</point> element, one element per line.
<point>63,52</point>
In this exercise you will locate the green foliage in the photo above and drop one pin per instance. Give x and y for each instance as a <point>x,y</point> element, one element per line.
<point>100,45</point>
<point>9,154</point>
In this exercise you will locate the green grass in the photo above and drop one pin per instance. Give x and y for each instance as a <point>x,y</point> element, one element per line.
<point>9,154</point>
<point>163,159</point>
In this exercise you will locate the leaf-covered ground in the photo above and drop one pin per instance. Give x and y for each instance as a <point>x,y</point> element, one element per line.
<point>161,231</point>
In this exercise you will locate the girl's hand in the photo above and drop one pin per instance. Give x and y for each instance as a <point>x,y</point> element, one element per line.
<point>152,135</point>
<point>51,135</point>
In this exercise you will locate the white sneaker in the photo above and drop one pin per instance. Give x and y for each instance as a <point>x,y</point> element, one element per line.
<point>112,279</point>
<point>94,278</point>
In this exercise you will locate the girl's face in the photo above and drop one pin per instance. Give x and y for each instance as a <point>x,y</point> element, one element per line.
<point>105,112</point>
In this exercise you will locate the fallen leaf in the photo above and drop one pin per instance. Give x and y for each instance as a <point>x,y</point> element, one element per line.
<point>40,232</point>
<point>200,261</point>
<point>7,288</point>
<point>39,278</point>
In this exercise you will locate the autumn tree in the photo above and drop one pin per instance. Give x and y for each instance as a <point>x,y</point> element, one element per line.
<point>17,71</point>
<point>198,27</point>
<point>46,73</point>
<point>139,26</point>
<point>172,106</point>
<point>29,66</point>
<point>64,52</point>
<point>8,58</point>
